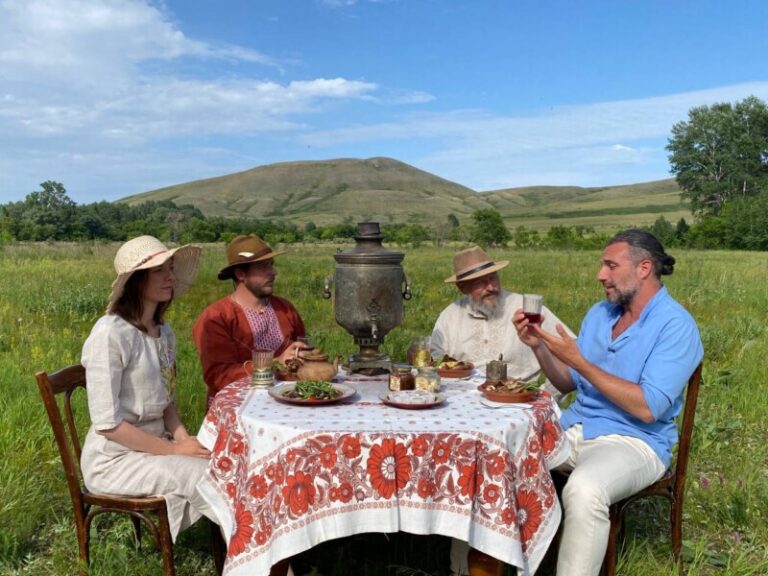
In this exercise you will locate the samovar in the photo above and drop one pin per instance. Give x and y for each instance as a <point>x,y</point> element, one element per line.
<point>369,289</point>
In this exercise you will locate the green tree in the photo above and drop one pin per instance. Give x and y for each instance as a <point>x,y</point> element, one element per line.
<point>746,223</point>
<point>525,237</point>
<point>46,214</point>
<point>488,228</point>
<point>664,231</point>
<point>720,153</point>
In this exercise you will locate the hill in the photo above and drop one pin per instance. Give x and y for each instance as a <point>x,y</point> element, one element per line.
<point>386,190</point>
<point>326,192</point>
<point>607,207</point>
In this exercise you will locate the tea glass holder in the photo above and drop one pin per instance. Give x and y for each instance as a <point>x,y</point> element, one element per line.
<point>261,377</point>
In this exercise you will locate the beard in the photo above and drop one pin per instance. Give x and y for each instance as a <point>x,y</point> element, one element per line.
<point>260,291</point>
<point>622,297</point>
<point>491,308</point>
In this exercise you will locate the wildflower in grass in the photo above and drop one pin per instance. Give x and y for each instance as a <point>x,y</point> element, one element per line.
<point>704,481</point>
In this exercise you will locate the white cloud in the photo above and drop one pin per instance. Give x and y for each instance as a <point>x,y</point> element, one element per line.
<point>473,147</point>
<point>78,68</point>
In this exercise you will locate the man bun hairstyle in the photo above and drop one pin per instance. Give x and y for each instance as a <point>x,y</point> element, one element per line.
<point>645,245</point>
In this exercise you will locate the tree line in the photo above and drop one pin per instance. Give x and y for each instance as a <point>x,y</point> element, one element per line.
<point>719,157</point>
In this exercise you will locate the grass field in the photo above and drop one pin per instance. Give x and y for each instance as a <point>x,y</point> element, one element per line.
<point>50,295</point>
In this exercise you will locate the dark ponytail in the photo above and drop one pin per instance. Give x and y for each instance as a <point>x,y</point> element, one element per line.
<point>645,245</point>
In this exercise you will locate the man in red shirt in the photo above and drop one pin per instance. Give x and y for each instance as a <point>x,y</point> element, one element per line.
<point>251,318</point>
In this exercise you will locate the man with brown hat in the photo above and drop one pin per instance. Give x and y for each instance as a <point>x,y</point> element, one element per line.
<point>251,318</point>
<point>478,327</point>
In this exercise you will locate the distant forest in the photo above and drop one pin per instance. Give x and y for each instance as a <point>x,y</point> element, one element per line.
<point>50,215</point>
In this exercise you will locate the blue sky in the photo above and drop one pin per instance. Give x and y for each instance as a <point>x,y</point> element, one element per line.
<point>117,97</point>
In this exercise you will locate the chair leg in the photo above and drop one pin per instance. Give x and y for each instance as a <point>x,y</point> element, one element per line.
<point>166,544</point>
<point>612,549</point>
<point>217,547</point>
<point>281,568</point>
<point>137,530</point>
<point>83,537</point>
<point>676,522</point>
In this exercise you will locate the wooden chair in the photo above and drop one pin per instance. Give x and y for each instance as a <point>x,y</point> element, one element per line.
<point>88,505</point>
<point>671,485</point>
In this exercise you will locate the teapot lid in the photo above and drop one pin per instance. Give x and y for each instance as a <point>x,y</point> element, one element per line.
<point>316,355</point>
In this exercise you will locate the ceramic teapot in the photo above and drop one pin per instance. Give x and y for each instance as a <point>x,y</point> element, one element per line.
<point>317,367</point>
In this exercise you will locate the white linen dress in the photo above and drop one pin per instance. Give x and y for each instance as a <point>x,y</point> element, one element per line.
<point>130,377</point>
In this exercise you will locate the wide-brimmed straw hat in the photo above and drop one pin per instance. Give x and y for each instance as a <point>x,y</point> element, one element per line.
<point>473,263</point>
<point>147,252</point>
<point>246,250</point>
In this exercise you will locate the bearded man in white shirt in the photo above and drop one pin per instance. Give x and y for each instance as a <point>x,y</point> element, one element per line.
<point>478,326</point>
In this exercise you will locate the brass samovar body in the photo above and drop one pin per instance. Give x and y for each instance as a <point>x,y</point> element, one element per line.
<point>369,288</point>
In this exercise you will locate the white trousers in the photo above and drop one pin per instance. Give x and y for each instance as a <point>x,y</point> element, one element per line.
<point>604,470</point>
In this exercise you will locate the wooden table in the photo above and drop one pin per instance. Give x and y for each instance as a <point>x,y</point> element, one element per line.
<point>284,478</point>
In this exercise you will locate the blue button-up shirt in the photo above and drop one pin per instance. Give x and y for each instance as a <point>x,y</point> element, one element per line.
<point>659,352</point>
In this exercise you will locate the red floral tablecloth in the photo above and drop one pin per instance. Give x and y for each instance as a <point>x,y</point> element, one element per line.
<point>284,478</point>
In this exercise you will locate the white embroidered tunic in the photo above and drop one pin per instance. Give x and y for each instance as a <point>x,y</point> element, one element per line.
<point>130,378</point>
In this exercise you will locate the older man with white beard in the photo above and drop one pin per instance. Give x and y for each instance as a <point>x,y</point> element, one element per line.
<point>478,327</point>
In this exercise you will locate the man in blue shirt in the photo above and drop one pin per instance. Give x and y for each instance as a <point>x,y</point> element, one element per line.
<point>629,366</point>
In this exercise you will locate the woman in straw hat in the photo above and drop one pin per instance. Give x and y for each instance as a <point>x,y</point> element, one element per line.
<point>137,445</point>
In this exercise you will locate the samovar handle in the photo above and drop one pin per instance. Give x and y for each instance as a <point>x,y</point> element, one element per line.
<point>407,292</point>
<point>327,288</point>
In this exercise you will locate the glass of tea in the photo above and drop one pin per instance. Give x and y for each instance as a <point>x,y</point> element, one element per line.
<point>261,377</point>
<point>532,304</point>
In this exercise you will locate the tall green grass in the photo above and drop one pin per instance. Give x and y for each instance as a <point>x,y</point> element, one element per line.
<point>50,295</point>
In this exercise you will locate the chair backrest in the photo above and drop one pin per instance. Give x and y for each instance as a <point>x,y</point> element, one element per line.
<point>686,429</point>
<point>63,383</point>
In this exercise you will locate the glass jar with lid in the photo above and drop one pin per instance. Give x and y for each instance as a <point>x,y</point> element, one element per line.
<point>401,377</point>
<point>418,352</point>
<point>427,379</point>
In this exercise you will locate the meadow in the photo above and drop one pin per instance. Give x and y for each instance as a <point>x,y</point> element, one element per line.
<point>51,294</point>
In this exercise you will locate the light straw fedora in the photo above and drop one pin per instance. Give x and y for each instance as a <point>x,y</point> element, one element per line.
<point>146,252</point>
<point>473,263</point>
<point>246,250</point>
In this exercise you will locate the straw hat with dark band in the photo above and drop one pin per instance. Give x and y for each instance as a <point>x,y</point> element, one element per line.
<point>473,263</point>
<point>246,250</point>
<point>147,252</point>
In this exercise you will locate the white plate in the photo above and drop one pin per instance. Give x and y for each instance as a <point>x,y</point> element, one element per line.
<point>437,400</point>
<point>278,393</point>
